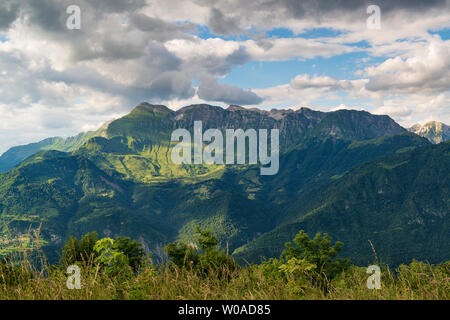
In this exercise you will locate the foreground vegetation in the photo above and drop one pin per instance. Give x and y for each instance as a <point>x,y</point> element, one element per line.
<point>307,269</point>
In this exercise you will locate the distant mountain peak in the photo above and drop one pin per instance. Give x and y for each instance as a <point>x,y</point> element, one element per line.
<point>200,107</point>
<point>234,107</point>
<point>434,131</point>
<point>145,106</point>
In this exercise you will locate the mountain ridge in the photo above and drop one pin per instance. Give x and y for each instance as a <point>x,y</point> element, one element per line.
<point>17,154</point>
<point>434,131</point>
<point>396,202</point>
<point>149,122</point>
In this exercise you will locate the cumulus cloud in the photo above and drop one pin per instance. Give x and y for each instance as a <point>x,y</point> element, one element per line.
<point>428,71</point>
<point>220,24</point>
<point>213,56</point>
<point>396,111</point>
<point>305,14</point>
<point>324,8</point>
<point>304,81</point>
<point>211,90</point>
<point>171,85</point>
<point>129,51</point>
<point>416,108</point>
<point>9,11</point>
<point>218,57</point>
<point>161,30</point>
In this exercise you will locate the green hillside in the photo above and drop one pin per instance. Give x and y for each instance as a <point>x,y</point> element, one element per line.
<point>16,155</point>
<point>400,204</point>
<point>120,181</point>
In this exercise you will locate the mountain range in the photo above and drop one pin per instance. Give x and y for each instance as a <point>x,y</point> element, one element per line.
<point>354,175</point>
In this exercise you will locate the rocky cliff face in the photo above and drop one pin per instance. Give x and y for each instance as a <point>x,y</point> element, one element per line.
<point>434,131</point>
<point>293,125</point>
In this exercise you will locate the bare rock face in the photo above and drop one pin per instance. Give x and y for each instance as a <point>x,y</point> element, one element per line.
<point>293,125</point>
<point>434,131</point>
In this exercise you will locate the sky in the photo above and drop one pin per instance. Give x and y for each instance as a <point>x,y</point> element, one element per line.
<point>325,55</point>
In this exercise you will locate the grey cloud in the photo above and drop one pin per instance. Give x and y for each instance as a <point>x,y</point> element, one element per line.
<point>159,78</point>
<point>9,11</point>
<point>106,48</point>
<point>238,57</point>
<point>318,8</point>
<point>211,90</point>
<point>220,66</point>
<point>116,49</point>
<point>49,15</point>
<point>16,72</point>
<point>117,5</point>
<point>100,36</point>
<point>275,12</point>
<point>171,85</point>
<point>265,43</point>
<point>391,83</point>
<point>154,53</point>
<point>158,59</point>
<point>161,87</point>
<point>223,25</point>
<point>161,30</point>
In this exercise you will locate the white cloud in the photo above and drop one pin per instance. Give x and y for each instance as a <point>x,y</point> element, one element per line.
<point>427,71</point>
<point>304,81</point>
<point>58,82</point>
<point>295,48</point>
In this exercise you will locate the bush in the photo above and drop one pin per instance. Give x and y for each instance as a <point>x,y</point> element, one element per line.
<point>80,250</point>
<point>318,255</point>
<point>182,255</point>
<point>132,250</point>
<point>205,257</point>
<point>109,256</point>
<point>88,249</point>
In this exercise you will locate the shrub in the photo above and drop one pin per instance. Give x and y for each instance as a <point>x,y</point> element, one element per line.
<point>89,248</point>
<point>79,250</point>
<point>204,258</point>
<point>109,256</point>
<point>317,252</point>
<point>298,273</point>
<point>132,250</point>
<point>182,255</point>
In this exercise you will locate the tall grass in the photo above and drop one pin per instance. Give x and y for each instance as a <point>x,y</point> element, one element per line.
<point>25,275</point>
<point>415,281</point>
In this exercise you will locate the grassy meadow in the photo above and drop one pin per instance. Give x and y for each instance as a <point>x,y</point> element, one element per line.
<point>119,270</point>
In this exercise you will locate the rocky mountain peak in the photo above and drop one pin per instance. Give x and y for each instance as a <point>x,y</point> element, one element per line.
<point>434,131</point>
<point>155,108</point>
<point>235,108</point>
